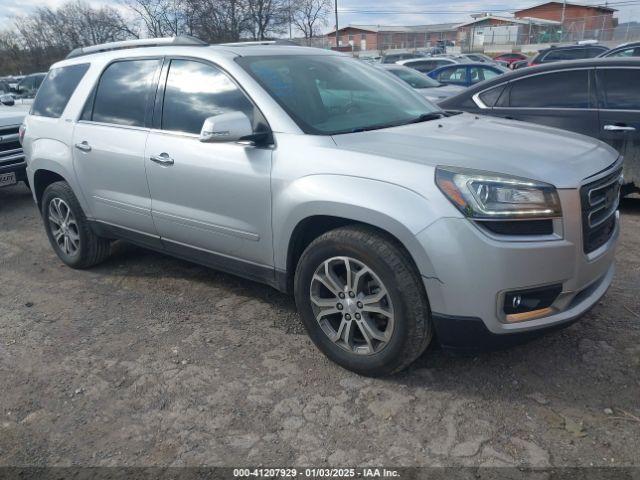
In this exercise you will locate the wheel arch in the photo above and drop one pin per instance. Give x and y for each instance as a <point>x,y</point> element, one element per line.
<point>42,178</point>
<point>390,209</point>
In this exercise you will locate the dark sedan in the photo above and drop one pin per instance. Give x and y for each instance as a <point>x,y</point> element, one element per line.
<point>598,97</point>
<point>624,50</point>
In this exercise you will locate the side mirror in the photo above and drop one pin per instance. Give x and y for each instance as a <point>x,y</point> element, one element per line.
<point>227,127</point>
<point>7,100</point>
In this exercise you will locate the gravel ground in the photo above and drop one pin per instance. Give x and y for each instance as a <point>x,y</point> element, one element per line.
<point>148,360</point>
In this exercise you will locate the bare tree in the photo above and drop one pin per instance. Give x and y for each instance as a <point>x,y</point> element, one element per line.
<point>163,18</point>
<point>309,15</point>
<point>268,17</point>
<point>221,20</point>
<point>47,34</point>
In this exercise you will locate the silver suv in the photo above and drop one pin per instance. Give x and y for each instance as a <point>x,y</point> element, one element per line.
<point>391,221</point>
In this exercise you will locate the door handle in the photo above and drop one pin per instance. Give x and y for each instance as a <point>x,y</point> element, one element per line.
<point>83,146</point>
<point>162,159</point>
<point>619,128</point>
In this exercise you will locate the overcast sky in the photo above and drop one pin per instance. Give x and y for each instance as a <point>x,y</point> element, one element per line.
<point>418,11</point>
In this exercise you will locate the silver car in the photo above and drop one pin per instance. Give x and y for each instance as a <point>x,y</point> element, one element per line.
<point>391,221</point>
<point>428,87</point>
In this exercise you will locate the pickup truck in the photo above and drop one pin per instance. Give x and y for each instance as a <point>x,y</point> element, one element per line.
<point>12,161</point>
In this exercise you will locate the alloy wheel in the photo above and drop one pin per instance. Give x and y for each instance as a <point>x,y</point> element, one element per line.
<point>352,305</point>
<point>64,227</point>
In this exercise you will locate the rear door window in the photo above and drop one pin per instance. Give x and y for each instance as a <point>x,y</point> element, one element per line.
<point>479,74</point>
<point>620,88</point>
<point>454,75</point>
<point>56,90</point>
<point>124,93</point>
<point>552,90</point>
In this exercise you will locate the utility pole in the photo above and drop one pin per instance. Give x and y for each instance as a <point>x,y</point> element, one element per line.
<point>564,10</point>
<point>290,22</point>
<point>336,7</point>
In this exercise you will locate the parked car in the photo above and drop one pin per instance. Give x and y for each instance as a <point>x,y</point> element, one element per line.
<point>426,65</point>
<point>519,64</point>
<point>595,97</point>
<point>429,88</point>
<point>572,52</point>
<point>465,75</point>
<point>478,58</point>
<point>509,58</point>
<point>624,50</point>
<point>28,86</point>
<point>396,57</point>
<point>389,219</point>
<point>12,161</point>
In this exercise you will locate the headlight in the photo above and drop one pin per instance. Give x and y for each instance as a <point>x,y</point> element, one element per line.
<point>489,195</point>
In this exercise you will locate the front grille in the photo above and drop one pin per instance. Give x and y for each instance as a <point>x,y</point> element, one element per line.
<point>10,149</point>
<point>599,201</point>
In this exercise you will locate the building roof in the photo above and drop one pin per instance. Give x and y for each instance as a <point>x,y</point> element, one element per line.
<point>511,20</point>
<point>569,4</point>
<point>437,27</point>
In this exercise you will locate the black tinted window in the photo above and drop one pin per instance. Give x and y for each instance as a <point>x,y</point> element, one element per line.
<point>56,90</point>
<point>594,52</point>
<point>490,97</point>
<point>621,88</point>
<point>566,54</point>
<point>196,91</point>
<point>552,90</point>
<point>123,93</point>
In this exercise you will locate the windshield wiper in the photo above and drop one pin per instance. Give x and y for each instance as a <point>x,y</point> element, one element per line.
<point>427,117</point>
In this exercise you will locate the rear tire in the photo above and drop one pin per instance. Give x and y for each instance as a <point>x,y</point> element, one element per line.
<point>377,323</point>
<point>69,231</point>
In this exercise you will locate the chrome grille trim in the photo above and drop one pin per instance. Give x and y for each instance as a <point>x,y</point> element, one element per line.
<point>599,203</point>
<point>11,152</point>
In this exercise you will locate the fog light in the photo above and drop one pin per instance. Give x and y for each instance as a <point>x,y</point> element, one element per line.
<point>532,303</point>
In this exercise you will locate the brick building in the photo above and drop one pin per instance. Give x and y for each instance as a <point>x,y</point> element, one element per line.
<point>487,29</point>
<point>580,21</point>
<point>381,37</point>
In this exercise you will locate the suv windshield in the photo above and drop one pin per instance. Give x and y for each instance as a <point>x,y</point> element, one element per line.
<point>328,95</point>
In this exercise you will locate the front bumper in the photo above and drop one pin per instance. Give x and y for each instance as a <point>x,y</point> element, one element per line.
<point>20,170</point>
<point>473,270</point>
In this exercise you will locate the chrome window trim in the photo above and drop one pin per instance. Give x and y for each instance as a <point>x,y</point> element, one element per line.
<point>478,101</point>
<point>114,125</point>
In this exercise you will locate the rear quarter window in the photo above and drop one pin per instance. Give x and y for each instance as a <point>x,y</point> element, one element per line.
<point>56,90</point>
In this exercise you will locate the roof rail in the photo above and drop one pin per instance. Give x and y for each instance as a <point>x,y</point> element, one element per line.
<point>259,42</point>
<point>181,40</point>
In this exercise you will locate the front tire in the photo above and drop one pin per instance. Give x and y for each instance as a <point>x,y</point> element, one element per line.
<point>362,301</point>
<point>68,229</point>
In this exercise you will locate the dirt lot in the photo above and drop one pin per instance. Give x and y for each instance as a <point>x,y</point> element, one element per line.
<point>147,360</point>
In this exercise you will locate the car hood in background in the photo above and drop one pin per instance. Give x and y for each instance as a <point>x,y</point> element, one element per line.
<point>437,94</point>
<point>526,150</point>
<point>13,115</point>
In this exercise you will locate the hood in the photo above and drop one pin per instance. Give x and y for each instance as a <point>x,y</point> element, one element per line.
<point>13,115</point>
<point>526,150</point>
<point>437,94</point>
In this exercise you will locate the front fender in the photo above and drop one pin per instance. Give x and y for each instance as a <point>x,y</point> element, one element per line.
<point>397,210</point>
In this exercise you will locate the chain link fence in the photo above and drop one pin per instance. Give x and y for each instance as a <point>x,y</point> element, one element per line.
<point>490,36</point>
